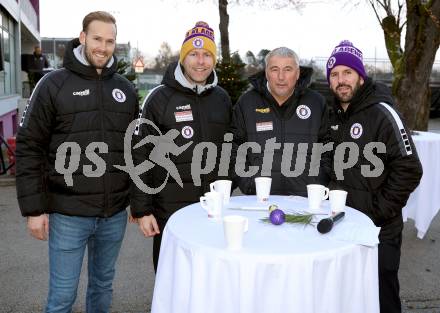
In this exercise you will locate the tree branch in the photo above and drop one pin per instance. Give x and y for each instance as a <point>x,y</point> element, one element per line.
<point>375,12</point>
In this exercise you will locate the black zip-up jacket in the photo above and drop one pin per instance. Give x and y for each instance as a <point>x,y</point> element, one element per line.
<point>303,118</point>
<point>370,117</point>
<point>75,104</point>
<point>197,116</point>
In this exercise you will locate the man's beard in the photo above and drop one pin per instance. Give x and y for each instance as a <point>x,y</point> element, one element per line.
<point>347,97</point>
<point>89,58</point>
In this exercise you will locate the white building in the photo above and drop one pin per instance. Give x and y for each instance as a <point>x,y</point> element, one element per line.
<point>19,33</point>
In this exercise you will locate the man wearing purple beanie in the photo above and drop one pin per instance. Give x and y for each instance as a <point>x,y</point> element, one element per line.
<point>363,113</point>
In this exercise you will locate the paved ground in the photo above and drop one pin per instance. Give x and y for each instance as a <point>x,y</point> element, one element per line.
<point>23,266</point>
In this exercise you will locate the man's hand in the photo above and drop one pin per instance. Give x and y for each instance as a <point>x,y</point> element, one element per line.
<point>132,220</point>
<point>148,225</point>
<point>38,226</point>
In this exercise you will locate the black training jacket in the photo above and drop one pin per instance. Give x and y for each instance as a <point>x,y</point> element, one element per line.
<point>75,104</point>
<point>303,118</point>
<point>371,117</point>
<point>196,116</point>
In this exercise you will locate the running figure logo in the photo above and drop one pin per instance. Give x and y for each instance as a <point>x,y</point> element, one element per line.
<point>159,155</point>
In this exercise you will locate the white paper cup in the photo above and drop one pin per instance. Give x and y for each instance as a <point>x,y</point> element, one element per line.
<point>224,187</point>
<point>234,227</point>
<point>337,200</point>
<point>316,193</point>
<point>212,202</point>
<point>262,187</point>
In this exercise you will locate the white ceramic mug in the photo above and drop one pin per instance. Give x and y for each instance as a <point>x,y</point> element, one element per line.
<point>337,200</point>
<point>224,187</point>
<point>316,193</point>
<point>262,187</point>
<point>212,202</point>
<point>234,227</point>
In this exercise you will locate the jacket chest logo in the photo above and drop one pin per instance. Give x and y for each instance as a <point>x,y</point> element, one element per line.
<point>264,126</point>
<point>356,131</point>
<point>334,127</point>
<point>183,107</point>
<point>119,95</point>
<point>264,110</point>
<point>303,111</point>
<point>183,116</point>
<point>81,93</point>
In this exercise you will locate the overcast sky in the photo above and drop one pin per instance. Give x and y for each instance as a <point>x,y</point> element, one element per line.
<point>311,33</point>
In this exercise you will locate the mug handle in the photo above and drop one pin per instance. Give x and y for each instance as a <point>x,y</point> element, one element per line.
<point>326,193</point>
<point>204,204</point>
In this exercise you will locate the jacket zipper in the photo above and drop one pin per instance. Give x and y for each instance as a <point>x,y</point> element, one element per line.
<point>202,134</point>
<point>102,111</point>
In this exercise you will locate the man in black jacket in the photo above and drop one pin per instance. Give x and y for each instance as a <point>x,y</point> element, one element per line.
<point>363,114</point>
<point>190,104</point>
<point>70,137</point>
<point>284,117</point>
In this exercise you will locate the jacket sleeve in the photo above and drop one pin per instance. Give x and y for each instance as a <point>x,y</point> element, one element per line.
<point>403,167</point>
<point>33,140</point>
<point>141,200</point>
<point>238,130</point>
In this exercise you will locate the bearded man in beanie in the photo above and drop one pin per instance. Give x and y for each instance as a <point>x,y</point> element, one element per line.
<point>74,111</point>
<point>191,104</point>
<point>363,113</point>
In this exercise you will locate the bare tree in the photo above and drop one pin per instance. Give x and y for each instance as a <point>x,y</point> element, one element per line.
<point>412,65</point>
<point>224,16</point>
<point>164,57</point>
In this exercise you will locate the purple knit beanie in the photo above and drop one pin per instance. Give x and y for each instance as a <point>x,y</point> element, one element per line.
<point>346,54</point>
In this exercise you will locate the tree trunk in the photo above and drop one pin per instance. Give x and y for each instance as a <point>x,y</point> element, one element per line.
<point>411,78</point>
<point>224,31</point>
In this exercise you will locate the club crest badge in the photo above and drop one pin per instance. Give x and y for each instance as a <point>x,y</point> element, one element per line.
<point>356,131</point>
<point>187,132</point>
<point>331,62</point>
<point>119,95</point>
<point>198,43</point>
<point>303,112</point>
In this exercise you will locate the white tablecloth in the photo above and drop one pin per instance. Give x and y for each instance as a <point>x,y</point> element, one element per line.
<point>281,269</point>
<point>424,202</point>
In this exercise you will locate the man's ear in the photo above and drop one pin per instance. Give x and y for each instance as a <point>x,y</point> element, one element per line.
<point>82,38</point>
<point>361,81</point>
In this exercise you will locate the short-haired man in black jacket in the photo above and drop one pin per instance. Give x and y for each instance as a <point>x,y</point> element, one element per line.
<point>280,110</point>
<point>363,114</point>
<point>78,115</point>
<point>188,108</point>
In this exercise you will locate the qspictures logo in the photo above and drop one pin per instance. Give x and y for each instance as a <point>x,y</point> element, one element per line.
<point>205,156</point>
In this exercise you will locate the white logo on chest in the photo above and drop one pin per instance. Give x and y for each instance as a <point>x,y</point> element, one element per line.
<point>119,95</point>
<point>356,131</point>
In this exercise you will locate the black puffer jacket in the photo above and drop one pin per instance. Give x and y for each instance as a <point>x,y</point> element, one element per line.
<point>367,120</point>
<point>75,104</point>
<point>197,116</point>
<point>303,118</point>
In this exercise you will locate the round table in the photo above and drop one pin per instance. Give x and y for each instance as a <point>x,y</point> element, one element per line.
<point>286,268</point>
<point>424,203</point>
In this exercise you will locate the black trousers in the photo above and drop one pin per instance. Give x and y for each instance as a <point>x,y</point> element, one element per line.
<point>157,240</point>
<point>389,262</point>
